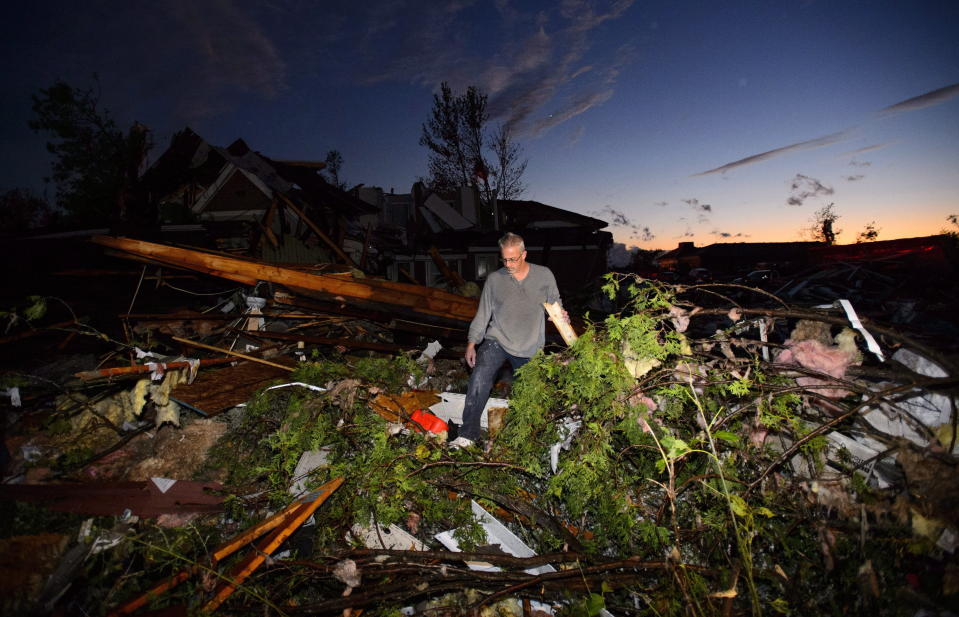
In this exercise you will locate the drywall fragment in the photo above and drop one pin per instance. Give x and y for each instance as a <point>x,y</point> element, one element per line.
<point>310,461</point>
<point>389,538</point>
<point>451,408</point>
<point>496,534</point>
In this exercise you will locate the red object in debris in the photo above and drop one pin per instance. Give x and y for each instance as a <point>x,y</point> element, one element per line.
<point>427,421</point>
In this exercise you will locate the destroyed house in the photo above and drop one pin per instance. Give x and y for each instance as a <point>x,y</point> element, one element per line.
<point>282,211</point>
<point>930,251</point>
<point>461,227</point>
<point>737,257</point>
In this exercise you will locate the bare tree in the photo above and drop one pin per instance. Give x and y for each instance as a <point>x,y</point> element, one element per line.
<point>509,170</point>
<point>462,153</point>
<point>334,163</point>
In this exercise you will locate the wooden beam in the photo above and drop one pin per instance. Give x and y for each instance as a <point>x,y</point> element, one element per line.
<point>228,352</point>
<point>414,298</point>
<point>349,343</point>
<point>143,368</point>
<point>319,232</point>
<point>448,273</point>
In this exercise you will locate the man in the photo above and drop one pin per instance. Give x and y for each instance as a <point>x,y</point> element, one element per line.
<point>510,324</point>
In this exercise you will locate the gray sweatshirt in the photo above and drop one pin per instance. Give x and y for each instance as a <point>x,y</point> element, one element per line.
<point>511,311</point>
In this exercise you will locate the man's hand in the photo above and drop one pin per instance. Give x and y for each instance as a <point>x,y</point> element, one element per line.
<point>470,354</point>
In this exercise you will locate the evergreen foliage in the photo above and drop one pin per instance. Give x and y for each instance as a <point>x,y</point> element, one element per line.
<point>95,164</point>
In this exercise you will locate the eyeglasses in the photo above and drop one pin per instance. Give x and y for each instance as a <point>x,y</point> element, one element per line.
<point>510,260</point>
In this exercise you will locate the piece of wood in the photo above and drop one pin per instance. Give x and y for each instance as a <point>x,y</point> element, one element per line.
<point>319,232</point>
<point>217,316</point>
<point>136,603</point>
<point>555,311</point>
<point>417,298</point>
<point>439,328</point>
<point>187,341</point>
<point>218,555</point>
<point>366,246</point>
<point>42,330</point>
<point>143,368</point>
<point>449,274</point>
<point>269,544</point>
<point>408,276</point>
<point>350,343</point>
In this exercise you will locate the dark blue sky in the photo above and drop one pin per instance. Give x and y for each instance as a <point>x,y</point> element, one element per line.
<point>649,114</point>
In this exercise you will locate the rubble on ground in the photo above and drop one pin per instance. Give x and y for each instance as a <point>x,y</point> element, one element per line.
<point>700,450</point>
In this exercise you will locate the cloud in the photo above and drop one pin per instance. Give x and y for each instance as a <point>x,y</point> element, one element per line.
<point>929,99</point>
<point>177,62</point>
<point>726,234</point>
<point>854,178</point>
<point>661,204</point>
<point>864,150</point>
<point>577,135</point>
<point>819,142</point>
<point>858,163</point>
<point>575,108</point>
<point>532,65</point>
<point>618,218</point>
<point>231,53</point>
<point>803,188</point>
<point>695,205</point>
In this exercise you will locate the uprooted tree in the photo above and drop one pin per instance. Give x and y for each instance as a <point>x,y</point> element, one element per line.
<point>95,165</point>
<point>463,151</point>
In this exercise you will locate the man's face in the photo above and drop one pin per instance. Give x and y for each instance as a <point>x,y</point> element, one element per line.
<point>512,257</point>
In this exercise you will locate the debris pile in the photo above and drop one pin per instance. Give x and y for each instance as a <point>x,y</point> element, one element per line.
<point>680,457</point>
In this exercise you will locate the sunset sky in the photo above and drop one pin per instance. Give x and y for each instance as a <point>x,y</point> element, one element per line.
<point>703,121</point>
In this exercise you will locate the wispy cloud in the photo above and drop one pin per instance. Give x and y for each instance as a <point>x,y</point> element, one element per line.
<point>661,204</point>
<point>727,234</point>
<point>577,135</point>
<point>534,67</point>
<point>863,150</point>
<point>853,178</point>
<point>231,53</point>
<point>575,108</point>
<point>615,217</point>
<point>803,188</point>
<point>819,142</point>
<point>618,218</point>
<point>187,61</point>
<point>929,99</point>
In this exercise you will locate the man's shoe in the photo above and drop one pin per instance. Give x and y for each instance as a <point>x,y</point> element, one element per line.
<point>461,443</point>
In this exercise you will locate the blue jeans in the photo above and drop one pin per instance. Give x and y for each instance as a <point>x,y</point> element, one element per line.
<point>489,358</point>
